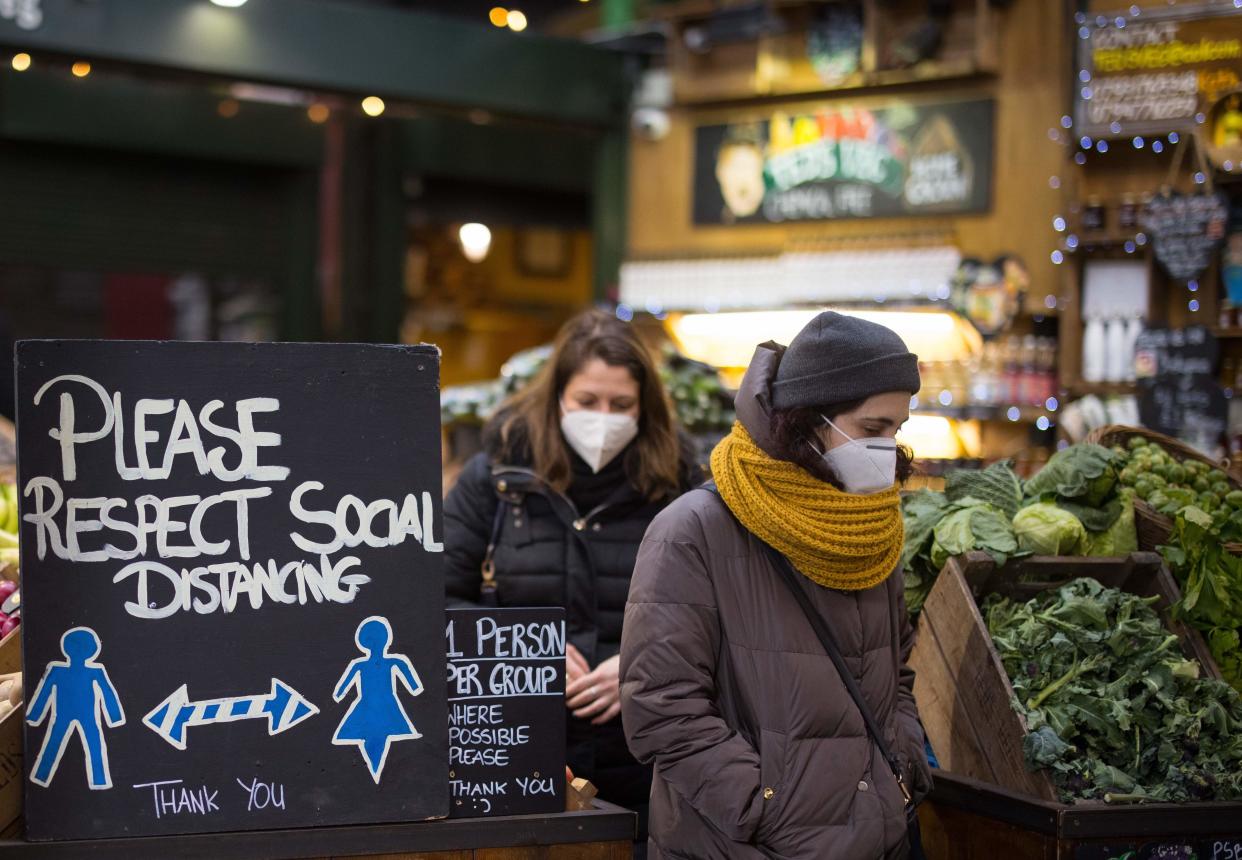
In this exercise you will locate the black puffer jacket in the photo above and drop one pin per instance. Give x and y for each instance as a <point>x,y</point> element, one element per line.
<point>550,553</point>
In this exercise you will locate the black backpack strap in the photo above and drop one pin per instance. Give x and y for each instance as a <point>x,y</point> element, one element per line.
<point>487,590</point>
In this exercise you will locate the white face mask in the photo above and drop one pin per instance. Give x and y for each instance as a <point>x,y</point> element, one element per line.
<point>867,465</point>
<point>597,437</point>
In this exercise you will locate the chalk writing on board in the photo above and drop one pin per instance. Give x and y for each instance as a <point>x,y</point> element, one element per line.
<point>376,718</point>
<point>261,795</point>
<point>168,800</point>
<point>222,515</point>
<point>283,708</point>
<point>132,528</point>
<point>506,677</point>
<point>79,697</point>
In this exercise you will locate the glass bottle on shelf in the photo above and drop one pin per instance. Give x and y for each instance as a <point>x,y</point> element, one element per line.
<point>1128,212</point>
<point>1011,370</point>
<point>1094,347</point>
<point>1134,328</point>
<point>1029,383</point>
<point>1115,346</point>
<point>1094,217</point>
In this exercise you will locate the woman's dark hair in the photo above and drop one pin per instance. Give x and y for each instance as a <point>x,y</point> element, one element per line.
<point>795,437</point>
<point>528,425</point>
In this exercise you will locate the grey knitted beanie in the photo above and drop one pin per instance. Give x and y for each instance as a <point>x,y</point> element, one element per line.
<point>836,358</point>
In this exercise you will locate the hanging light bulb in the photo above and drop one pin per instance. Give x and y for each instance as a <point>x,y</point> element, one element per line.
<point>476,241</point>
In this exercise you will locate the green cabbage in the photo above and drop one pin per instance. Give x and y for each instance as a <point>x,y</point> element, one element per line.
<point>1120,538</point>
<point>979,526</point>
<point>1045,529</point>
<point>997,485</point>
<point>1085,473</point>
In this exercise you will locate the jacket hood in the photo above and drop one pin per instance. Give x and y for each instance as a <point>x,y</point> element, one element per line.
<point>754,397</point>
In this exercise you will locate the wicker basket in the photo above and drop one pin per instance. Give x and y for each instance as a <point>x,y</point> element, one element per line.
<point>1152,526</point>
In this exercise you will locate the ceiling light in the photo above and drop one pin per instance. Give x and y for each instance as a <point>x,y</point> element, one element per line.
<point>81,69</point>
<point>476,241</point>
<point>21,62</point>
<point>229,4</point>
<point>499,16</point>
<point>516,21</point>
<point>318,113</point>
<point>373,105</point>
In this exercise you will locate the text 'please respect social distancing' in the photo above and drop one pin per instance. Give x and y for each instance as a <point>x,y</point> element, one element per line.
<point>102,529</point>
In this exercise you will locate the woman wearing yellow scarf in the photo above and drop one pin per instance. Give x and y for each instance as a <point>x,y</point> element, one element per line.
<point>763,652</point>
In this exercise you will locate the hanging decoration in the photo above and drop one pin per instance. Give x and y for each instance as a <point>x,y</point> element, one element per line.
<point>990,295</point>
<point>1186,229</point>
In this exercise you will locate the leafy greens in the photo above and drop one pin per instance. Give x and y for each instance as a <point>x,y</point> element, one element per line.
<point>1114,711</point>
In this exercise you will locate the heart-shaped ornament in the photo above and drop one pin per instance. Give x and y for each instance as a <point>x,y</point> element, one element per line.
<point>1185,230</point>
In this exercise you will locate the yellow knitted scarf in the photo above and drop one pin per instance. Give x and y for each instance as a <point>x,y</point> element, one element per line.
<point>836,539</point>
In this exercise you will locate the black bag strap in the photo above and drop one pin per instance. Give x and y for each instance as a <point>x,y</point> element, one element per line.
<point>790,575</point>
<point>488,568</point>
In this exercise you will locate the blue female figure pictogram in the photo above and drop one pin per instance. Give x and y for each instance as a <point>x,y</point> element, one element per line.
<point>79,696</point>
<point>376,718</point>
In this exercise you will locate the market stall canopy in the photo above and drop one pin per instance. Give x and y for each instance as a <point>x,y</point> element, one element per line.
<point>341,47</point>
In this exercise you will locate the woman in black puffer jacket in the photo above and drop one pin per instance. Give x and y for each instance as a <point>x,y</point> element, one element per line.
<point>576,466</point>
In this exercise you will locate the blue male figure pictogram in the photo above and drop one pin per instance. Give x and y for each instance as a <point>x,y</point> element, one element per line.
<point>376,718</point>
<point>80,696</point>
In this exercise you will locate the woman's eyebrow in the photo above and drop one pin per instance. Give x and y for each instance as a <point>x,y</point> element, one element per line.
<point>884,422</point>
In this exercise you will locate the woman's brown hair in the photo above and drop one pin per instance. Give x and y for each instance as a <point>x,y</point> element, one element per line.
<point>528,424</point>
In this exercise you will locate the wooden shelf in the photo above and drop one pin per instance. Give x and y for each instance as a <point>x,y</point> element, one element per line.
<point>1101,389</point>
<point>1026,414</point>
<point>1227,333</point>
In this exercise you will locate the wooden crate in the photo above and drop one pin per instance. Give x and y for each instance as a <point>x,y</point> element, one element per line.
<point>966,818</point>
<point>962,690</point>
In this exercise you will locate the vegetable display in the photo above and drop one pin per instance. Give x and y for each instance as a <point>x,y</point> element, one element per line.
<point>1073,506</point>
<point>1114,710</point>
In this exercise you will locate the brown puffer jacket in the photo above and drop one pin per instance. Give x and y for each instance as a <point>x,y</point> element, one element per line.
<point>758,749</point>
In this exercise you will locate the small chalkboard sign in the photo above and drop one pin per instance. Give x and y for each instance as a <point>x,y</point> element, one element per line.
<point>1177,392</point>
<point>1176,849</point>
<point>506,699</point>
<point>1223,849</point>
<point>232,586</point>
<point>1160,351</point>
<point>1186,230</point>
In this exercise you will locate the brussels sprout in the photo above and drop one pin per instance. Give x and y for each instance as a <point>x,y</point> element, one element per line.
<point>1234,499</point>
<point>1209,501</point>
<point>1217,475</point>
<point>1158,499</point>
<point>1144,488</point>
<point>1222,488</point>
<point>1136,442</point>
<point>1157,480</point>
<point>1120,452</point>
<point>1129,476</point>
<point>1177,474</point>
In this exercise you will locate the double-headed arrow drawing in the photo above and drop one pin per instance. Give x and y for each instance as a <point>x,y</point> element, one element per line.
<point>283,708</point>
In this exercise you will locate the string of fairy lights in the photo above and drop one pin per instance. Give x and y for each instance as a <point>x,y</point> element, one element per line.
<point>1069,242</point>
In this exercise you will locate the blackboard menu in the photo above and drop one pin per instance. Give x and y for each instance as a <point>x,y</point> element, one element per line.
<point>506,698</point>
<point>846,162</point>
<point>1178,394</point>
<point>232,586</point>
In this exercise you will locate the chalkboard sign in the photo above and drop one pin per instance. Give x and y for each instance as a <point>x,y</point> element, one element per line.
<point>506,698</point>
<point>1177,392</point>
<point>1176,849</point>
<point>1186,230</point>
<point>232,586</point>
<point>1175,352</point>
<point>1223,849</point>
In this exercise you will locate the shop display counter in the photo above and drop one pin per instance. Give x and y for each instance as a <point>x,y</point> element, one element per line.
<point>604,832</point>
